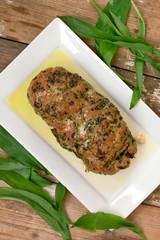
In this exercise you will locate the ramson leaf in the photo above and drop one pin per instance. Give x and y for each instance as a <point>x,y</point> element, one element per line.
<point>19,182</point>
<point>16,151</point>
<point>120,8</point>
<point>40,206</point>
<point>105,221</point>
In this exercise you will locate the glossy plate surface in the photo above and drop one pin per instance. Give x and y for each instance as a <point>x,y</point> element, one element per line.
<point>120,193</point>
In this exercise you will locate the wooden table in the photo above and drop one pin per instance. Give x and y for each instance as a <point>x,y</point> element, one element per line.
<point>20,22</point>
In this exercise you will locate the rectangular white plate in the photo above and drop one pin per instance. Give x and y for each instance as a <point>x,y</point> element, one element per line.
<point>120,193</point>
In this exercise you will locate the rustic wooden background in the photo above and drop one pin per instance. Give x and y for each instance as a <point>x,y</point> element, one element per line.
<point>20,22</point>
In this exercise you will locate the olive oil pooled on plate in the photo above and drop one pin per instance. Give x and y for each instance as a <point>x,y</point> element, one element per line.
<point>19,103</point>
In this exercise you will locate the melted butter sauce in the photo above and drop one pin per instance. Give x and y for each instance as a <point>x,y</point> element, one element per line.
<point>19,103</point>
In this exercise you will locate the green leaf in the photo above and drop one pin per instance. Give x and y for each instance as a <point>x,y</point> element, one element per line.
<point>40,205</point>
<point>120,8</point>
<point>105,221</point>
<point>12,165</point>
<point>38,180</point>
<point>82,28</point>
<point>106,51</point>
<point>151,61</point>
<point>141,30</point>
<point>19,182</point>
<point>135,97</point>
<point>139,63</point>
<point>21,158</point>
<point>86,30</point>
<point>59,194</point>
<point>15,150</point>
<point>10,192</point>
<point>25,171</point>
<point>105,19</point>
<point>120,25</point>
<point>135,44</point>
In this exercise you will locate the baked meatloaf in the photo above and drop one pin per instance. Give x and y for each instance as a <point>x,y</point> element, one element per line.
<point>82,120</point>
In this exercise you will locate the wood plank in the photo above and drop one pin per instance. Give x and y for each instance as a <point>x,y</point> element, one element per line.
<point>9,51</point>
<point>154,198</point>
<point>24,20</point>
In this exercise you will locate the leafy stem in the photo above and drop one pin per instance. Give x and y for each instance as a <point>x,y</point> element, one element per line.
<point>111,32</point>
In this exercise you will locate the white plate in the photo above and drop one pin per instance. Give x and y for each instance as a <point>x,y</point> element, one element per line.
<point>120,193</point>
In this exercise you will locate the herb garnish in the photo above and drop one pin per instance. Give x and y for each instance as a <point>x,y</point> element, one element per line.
<point>111,32</point>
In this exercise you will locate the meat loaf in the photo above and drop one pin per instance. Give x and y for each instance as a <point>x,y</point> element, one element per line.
<point>82,120</point>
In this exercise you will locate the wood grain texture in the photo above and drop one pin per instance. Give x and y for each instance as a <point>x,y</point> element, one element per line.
<point>20,22</point>
<point>9,51</point>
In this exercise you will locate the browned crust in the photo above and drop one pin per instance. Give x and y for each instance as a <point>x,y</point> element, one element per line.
<point>82,120</point>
